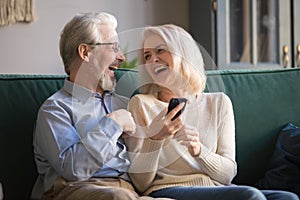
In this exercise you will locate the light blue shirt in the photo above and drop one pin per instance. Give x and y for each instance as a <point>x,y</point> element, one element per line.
<point>76,140</point>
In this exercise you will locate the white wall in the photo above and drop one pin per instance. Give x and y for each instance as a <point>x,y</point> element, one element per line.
<point>33,48</point>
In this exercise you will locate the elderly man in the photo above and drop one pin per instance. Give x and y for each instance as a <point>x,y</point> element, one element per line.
<point>78,141</point>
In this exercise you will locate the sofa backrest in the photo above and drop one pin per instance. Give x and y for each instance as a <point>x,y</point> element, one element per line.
<point>21,96</point>
<point>263,102</point>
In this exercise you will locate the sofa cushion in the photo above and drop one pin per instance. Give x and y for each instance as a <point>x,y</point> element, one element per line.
<point>127,82</point>
<point>284,169</point>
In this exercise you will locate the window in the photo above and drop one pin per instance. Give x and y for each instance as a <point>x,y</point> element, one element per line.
<point>257,34</point>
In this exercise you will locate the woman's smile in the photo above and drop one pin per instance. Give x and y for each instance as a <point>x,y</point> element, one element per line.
<point>160,69</point>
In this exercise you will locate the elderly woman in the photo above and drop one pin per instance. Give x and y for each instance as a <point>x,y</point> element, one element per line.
<point>193,156</point>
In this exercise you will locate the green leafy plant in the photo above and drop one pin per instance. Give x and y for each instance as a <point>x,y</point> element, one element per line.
<point>129,64</point>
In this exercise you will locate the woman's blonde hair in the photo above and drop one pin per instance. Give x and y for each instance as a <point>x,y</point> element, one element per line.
<point>82,28</point>
<point>187,58</point>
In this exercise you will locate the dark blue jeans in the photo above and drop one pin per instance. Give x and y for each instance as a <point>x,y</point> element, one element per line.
<point>223,193</point>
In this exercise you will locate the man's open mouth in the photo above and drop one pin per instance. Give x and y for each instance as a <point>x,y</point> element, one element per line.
<point>113,68</point>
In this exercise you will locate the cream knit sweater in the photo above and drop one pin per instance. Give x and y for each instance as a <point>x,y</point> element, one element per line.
<point>160,164</point>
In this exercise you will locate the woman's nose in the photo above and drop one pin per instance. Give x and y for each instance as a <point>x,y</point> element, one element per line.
<point>155,58</point>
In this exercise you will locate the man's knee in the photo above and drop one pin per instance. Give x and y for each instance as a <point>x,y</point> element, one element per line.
<point>95,192</point>
<point>121,194</point>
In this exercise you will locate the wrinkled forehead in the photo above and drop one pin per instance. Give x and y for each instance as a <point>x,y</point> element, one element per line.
<point>153,41</point>
<point>108,33</point>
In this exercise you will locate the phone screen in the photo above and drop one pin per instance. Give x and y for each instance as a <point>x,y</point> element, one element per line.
<point>173,103</point>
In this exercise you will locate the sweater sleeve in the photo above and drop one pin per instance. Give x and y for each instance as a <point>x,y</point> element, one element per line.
<point>143,152</point>
<point>221,165</point>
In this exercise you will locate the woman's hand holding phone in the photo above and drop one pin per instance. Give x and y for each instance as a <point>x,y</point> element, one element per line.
<point>168,122</point>
<point>175,102</point>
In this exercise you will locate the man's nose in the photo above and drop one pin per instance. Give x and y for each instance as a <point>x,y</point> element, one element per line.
<point>121,56</point>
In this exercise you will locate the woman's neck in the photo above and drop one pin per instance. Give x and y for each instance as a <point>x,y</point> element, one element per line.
<point>165,95</point>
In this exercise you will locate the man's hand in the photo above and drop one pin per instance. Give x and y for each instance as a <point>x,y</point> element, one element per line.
<point>124,118</point>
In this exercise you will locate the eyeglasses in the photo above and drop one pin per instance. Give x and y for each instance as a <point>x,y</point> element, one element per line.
<point>115,45</point>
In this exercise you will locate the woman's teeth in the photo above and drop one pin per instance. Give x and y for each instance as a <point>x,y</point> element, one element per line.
<point>160,69</point>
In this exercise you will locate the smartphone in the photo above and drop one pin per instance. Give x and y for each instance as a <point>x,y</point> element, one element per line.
<point>173,103</point>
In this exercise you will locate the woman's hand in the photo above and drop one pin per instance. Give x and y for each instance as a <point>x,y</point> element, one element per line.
<point>162,126</point>
<point>189,136</point>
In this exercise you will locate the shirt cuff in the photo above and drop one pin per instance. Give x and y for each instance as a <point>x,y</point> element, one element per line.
<point>110,128</point>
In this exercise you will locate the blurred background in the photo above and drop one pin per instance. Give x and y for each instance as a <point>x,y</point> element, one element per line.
<point>233,34</point>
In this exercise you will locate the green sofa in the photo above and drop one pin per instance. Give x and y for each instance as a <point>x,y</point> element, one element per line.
<point>263,101</point>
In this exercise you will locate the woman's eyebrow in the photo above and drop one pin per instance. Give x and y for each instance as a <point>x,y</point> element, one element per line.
<point>156,47</point>
<point>160,45</point>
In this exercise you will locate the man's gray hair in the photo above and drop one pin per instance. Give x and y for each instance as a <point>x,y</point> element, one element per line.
<point>82,28</point>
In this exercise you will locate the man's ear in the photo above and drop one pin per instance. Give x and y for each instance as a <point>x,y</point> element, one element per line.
<point>83,51</point>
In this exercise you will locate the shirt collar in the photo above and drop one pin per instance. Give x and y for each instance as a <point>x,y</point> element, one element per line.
<point>79,92</point>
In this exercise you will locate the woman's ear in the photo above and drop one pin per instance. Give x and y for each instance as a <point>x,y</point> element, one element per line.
<point>83,51</point>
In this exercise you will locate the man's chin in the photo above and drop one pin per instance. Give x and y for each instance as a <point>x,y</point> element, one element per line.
<point>109,85</point>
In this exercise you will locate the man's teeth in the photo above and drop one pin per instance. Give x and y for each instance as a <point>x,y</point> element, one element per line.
<point>160,69</point>
<point>113,67</point>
